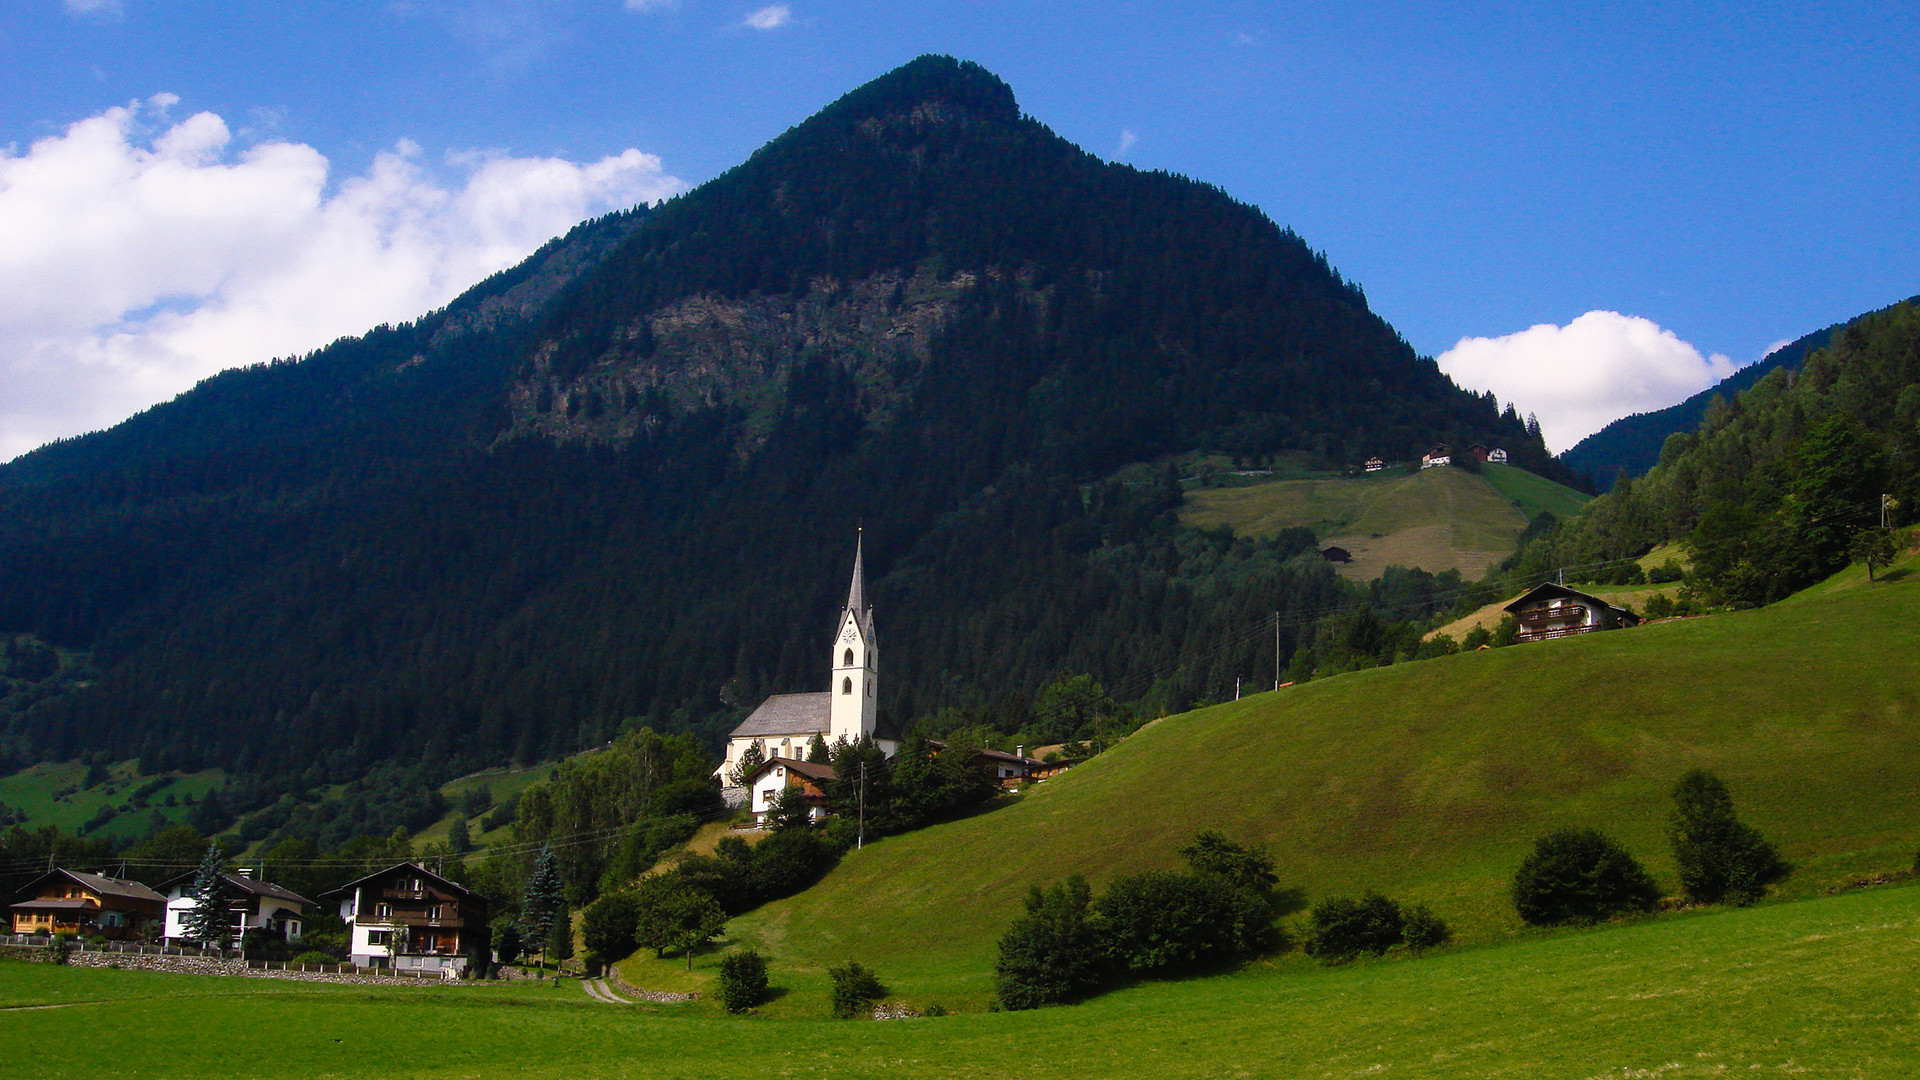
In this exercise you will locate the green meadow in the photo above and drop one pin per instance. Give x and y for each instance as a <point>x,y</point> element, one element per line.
<point>1436,519</point>
<point>1427,781</point>
<point>1820,988</point>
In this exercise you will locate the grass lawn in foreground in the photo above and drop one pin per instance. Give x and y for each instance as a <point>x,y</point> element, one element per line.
<point>1819,988</point>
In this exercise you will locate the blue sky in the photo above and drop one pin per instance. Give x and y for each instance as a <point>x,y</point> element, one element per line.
<point>1624,200</point>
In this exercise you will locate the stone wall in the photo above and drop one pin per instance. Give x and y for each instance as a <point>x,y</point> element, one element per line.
<point>208,965</point>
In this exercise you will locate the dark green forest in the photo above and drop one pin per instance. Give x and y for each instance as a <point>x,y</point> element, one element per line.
<point>305,568</point>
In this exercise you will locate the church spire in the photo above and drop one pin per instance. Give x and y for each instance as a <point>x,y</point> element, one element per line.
<point>857,592</point>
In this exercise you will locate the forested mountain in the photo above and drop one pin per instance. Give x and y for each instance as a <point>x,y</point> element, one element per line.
<point>620,483</point>
<point>1781,484</point>
<point>1632,444</point>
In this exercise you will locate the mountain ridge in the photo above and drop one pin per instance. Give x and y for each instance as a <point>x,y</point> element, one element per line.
<point>626,498</point>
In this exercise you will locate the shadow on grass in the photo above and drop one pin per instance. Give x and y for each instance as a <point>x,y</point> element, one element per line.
<point>1896,575</point>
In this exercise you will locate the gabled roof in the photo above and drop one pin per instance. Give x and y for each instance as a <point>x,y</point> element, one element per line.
<point>244,884</point>
<point>787,714</point>
<point>116,888</point>
<point>812,770</point>
<point>410,868</point>
<point>1547,590</point>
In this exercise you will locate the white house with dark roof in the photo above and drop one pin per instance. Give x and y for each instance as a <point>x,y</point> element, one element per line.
<point>785,724</point>
<point>251,903</point>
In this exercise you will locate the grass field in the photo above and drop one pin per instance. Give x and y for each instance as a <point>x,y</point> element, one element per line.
<point>1438,519</point>
<point>1822,988</point>
<point>1429,781</point>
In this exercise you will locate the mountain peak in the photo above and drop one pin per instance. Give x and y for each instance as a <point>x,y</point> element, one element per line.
<point>929,86</point>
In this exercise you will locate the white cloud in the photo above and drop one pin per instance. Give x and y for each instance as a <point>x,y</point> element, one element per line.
<point>139,255</point>
<point>771,17</point>
<point>1127,141</point>
<point>1777,346</point>
<point>644,6</point>
<point>1583,376</point>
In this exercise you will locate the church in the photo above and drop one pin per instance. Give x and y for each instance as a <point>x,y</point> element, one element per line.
<point>785,724</point>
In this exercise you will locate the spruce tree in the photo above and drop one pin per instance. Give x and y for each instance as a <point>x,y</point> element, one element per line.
<point>206,920</point>
<point>543,901</point>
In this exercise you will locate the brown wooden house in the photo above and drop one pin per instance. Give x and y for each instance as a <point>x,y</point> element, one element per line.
<point>70,902</point>
<point>407,916</point>
<point>1551,611</point>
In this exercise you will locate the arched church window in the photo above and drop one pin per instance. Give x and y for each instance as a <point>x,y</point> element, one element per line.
<point>848,662</point>
<point>846,686</point>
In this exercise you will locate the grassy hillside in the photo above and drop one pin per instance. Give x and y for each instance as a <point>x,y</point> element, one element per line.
<point>1533,494</point>
<point>1794,988</point>
<point>1430,780</point>
<point>1437,519</point>
<point>58,794</point>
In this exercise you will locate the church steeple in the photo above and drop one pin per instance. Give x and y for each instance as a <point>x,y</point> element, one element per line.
<point>857,592</point>
<point>856,660</point>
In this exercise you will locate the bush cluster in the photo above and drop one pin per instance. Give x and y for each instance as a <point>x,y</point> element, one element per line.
<point>1580,876</point>
<point>855,989</point>
<point>743,980</point>
<point>1155,923</point>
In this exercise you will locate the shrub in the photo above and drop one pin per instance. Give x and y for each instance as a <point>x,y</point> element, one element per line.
<point>743,980</point>
<point>1343,928</point>
<point>1423,929</point>
<point>1053,953</point>
<point>855,989</point>
<point>1158,921</point>
<point>1580,876</point>
<point>314,958</point>
<point>1720,857</point>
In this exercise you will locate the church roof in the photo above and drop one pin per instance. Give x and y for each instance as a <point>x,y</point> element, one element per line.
<point>787,714</point>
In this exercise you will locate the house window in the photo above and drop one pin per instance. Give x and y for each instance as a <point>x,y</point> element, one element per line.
<point>848,662</point>
<point>434,912</point>
<point>846,686</point>
<point>417,886</point>
<point>382,911</point>
<point>378,938</point>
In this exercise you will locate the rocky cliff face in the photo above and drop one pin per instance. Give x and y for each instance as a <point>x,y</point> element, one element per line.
<point>713,351</point>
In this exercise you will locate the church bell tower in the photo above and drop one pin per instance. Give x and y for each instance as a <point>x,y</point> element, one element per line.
<point>856,663</point>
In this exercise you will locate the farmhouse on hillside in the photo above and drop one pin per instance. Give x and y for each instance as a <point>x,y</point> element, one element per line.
<point>407,916</point>
<point>784,724</point>
<point>1374,464</point>
<point>1497,456</point>
<point>1441,454</point>
<point>252,904</point>
<point>1551,611</point>
<point>70,902</point>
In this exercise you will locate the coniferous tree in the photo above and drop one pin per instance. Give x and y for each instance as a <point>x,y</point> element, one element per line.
<point>206,920</point>
<point>543,901</point>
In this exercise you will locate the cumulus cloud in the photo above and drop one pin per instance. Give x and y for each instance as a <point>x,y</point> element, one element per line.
<point>1580,377</point>
<point>1127,141</point>
<point>139,255</point>
<point>771,17</point>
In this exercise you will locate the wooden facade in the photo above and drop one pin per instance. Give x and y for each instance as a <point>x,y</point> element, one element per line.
<point>1551,611</point>
<point>407,916</point>
<point>90,905</point>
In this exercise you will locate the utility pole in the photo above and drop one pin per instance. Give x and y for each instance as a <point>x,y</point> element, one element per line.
<point>860,838</point>
<point>1236,688</point>
<point>1276,650</point>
